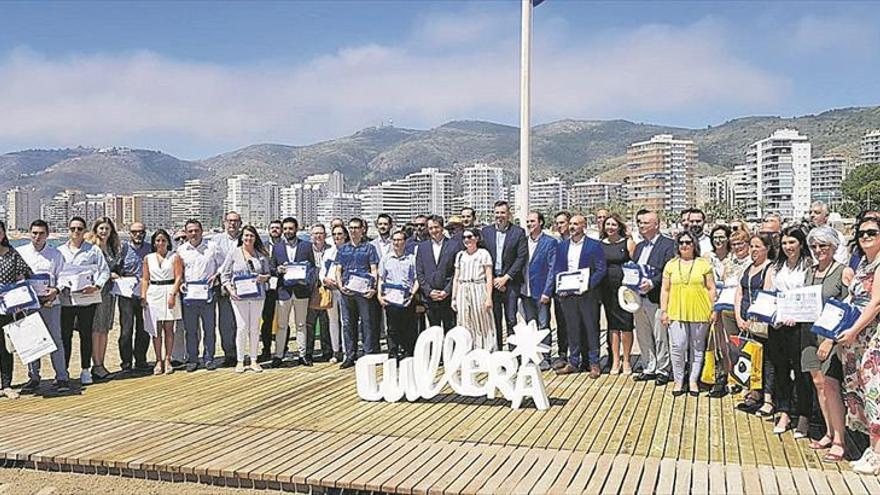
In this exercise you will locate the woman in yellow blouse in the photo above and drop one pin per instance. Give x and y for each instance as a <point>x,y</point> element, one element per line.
<point>686,301</point>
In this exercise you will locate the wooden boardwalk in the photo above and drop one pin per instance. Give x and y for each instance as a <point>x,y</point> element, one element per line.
<point>305,429</point>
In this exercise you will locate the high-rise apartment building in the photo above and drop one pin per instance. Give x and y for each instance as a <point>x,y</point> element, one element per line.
<point>152,210</point>
<point>826,176</point>
<point>870,149</point>
<point>332,183</point>
<point>197,195</point>
<point>58,210</point>
<point>547,196</point>
<point>715,189</point>
<point>481,187</point>
<point>775,176</point>
<point>392,197</point>
<point>660,173</point>
<point>588,195</point>
<point>22,207</point>
<point>431,193</point>
<point>257,202</point>
<point>343,205</point>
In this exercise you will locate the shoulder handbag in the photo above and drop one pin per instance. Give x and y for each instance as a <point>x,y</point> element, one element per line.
<point>757,328</point>
<point>321,298</point>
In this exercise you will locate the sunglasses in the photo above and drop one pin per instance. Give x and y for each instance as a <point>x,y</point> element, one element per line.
<point>421,225</point>
<point>76,229</point>
<point>468,236</point>
<point>136,232</point>
<point>685,243</point>
<point>719,238</point>
<point>867,233</point>
<point>179,239</point>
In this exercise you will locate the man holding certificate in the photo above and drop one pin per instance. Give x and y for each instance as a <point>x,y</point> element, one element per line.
<point>84,275</point>
<point>581,307</point>
<point>201,268</point>
<point>131,311</point>
<point>293,262</point>
<point>44,259</point>
<point>397,284</point>
<point>356,269</point>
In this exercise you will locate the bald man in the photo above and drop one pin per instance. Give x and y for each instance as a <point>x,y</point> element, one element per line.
<point>131,311</point>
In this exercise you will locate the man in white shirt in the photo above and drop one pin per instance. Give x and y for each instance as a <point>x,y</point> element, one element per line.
<point>697,226</point>
<point>45,260</point>
<point>201,264</point>
<point>78,311</point>
<point>601,216</point>
<point>226,243</point>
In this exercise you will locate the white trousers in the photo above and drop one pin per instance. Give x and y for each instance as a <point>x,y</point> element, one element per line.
<point>247,330</point>
<point>300,309</point>
<point>653,339</point>
<point>688,346</point>
<point>335,328</point>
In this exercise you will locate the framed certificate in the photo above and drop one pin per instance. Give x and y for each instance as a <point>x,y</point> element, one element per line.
<point>726,298</point>
<point>40,282</point>
<point>836,317</point>
<point>359,283</point>
<point>83,299</point>
<point>75,278</point>
<point>127,287</point>
<point>573,283</point>
<point>197,291</point>
<point>296,273</point>
<point>246,286</point>
<point>802,305</point>
<point>394,294</point>
<point>18,297</point>
<point>632,275</point>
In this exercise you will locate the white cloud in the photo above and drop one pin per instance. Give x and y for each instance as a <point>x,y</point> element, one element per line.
<point>125,98</point>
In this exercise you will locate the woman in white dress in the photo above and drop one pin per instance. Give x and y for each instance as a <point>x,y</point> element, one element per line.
<point>472,291</point>
<point>160,292</point>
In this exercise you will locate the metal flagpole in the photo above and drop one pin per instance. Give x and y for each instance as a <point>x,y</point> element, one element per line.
<point>525,149</point>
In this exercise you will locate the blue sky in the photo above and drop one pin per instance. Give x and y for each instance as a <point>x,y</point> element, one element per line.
<point>200,78</point>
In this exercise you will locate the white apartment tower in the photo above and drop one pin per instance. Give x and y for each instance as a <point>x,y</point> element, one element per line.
<point>482,186</point>
<point>826,177</point>
<point>343,205</point>
<point>870,149</point>
<point>332,183</point>
<point>431,193</point>
<point>257,202</point>
<point>717,189</point>
<point>392,197</point>
<point>775,177</point>
<point>22,207</point>
<point>548,196</point>
<point>197,196</point>
<point>660,174</point>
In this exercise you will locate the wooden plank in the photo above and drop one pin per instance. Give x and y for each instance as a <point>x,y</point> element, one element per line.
<point>567,474</point>
<point>415,451</point>
<point>751,480</point>
<point>854,483</point>
<point>473,477</point>
<point>666,480</point>
<point>371,466</point>
<point>649,477</point>
<point>633,474</point>
<point>616,476</point>
<point>700,477</point>
<point>683,476</point>
<point>785,481</point>
<point>716,478</point>
<point>503,471</point>
<point>540,462</point>
<point>733,477</point>
<point>543,484</point>
<point>768,480</point>
<point>802,482</point>
<point>589,470</point>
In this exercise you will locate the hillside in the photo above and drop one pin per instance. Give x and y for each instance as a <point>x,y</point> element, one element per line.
<point>576,149</point>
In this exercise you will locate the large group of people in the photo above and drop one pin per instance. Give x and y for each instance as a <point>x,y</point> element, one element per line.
<point>352,290</point>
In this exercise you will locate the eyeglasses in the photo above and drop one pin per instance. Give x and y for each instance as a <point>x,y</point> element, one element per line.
<point>179,239</point>
<point>719,238</point>
<point>136,232</point>
<point>338,234</point>
<point>816,247</point>
<point>76,229</point>
<point>867,233</point>
<point>771,234</point>
<point>467,236</point>
<point>738,244</point>
<point>685,243</point>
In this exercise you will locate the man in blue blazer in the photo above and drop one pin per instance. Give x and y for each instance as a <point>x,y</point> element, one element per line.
<point>435,267</point>
<point>655,251</point>
<point>581,310</point>
<point>507,246</point>
<point>537,288</point>
<point>293,295</point>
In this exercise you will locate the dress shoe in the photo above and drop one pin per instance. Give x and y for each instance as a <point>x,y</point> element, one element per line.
<point>694,393</point>
<point>306,361</point>
<point>190,367</point>
<point>348,363</point>
<point>679,393</point>
<point>558,364</point>
<point>595,372</point>
<point>644,377</point>
<point>276,362</point>
<point>210,366</point>
<point>661,380</point>
<point>31,386</point>
<point>568,369</point>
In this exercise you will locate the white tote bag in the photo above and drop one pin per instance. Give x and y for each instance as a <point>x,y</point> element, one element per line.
<point>30,338</point>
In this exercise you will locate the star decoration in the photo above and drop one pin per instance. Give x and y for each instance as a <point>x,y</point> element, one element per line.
<point>528,341</point>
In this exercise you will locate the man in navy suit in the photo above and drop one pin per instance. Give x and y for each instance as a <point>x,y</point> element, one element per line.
<point>581,310</point>
<point>537,288</point>
<point>293,295</point>
<point>509,250</point>
<point>654,251</point>
<point>435,266</point>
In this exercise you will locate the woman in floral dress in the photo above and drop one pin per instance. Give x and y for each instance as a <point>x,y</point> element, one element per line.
<point>859,349</point>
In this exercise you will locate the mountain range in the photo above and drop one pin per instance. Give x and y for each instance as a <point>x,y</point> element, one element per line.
<point>575,149</point>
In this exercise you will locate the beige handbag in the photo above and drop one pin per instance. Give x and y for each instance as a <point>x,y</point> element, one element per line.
<point>321,298</point>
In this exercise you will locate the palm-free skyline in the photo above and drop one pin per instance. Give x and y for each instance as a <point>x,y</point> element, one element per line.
<point>200,78</point>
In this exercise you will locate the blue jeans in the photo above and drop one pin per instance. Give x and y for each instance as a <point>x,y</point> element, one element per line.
<point>356,313</point>
<point>52,318</point>
<point>192,313</point>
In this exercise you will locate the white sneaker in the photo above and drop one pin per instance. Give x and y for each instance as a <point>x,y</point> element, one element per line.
<point>861,459</point>
<point>85,377</point>
<point>239,368</point>
<point>869,465</point>
<point>256,368</point>
<point>334,360</point>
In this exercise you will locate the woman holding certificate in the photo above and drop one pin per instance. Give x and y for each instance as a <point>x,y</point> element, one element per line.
<point>859,348</point>
<point>13,268</point>
<point>244,274</point>
<point>818,355</point>
<point>618,248</point>
<point>472,291</point>
<point>160,293</point>
<point>686,299</point>
<point>783,347</point>
<point>105,237</point>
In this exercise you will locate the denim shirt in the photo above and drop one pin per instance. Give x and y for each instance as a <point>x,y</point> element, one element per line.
<point>133,263</point>
<point>356,259</point>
